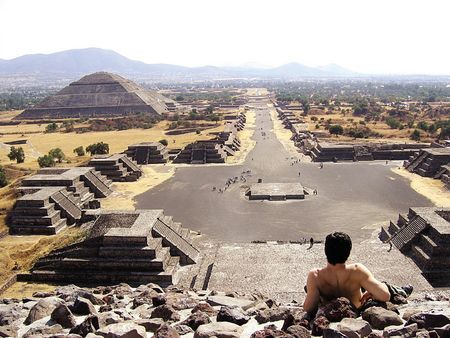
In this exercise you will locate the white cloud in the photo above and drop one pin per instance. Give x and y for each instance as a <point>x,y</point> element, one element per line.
<point>382,36</point>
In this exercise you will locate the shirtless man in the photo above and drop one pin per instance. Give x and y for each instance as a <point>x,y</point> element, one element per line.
<point>338,279</point>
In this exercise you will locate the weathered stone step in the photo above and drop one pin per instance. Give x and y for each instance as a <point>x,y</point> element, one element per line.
<point>37,229</point>
<point>37,220</point>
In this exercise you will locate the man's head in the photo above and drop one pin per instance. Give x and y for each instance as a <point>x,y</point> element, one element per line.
<point>337,247</point>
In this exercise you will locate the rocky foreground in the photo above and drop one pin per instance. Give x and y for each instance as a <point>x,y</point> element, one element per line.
<point>150,311</point>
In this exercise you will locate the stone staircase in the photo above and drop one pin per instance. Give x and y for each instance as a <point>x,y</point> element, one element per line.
<point>424,236</point>
<point>37,214</point>
<point>97,183</point>
<point>117,167</point>
<point>428,162</point>
<point>131,246</point>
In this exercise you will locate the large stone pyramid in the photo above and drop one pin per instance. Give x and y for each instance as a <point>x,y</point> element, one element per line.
<point>99,95</point>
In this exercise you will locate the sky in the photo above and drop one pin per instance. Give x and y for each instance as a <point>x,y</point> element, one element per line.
<point>367,36</point>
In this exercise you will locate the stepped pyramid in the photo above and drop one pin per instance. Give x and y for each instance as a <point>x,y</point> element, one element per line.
<point>424,236</point>
<point>99,95</point>
<point>139,246</point>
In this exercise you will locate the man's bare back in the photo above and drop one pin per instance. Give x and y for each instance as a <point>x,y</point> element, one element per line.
<point>343,280</point>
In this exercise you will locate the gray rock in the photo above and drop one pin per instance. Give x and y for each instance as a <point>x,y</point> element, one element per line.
<point>319,325</point>
<point>233,314</point>
<point>404,332</point>
<point>43,294</point>
<point>270,333</point>
<point>89,325</point>
<point>296,318</point>
<point>144,297</point>
<point>443,332</point>
<point>83,306</point>
<point>165,331</point>
<point>354,328</point>
<point>331,333</point>
<point>196,319</point>
<point>219,330</point>
<point>272,314</point>
<point>204,307</point>
<point>298,331</point>
<point>337,309</point>
<point>230,301</point>
<point>43,308</point>
<point>122,330</point>
<point>166,312</point>
<point>8,331</point>
<point>63,316</point>
<point>10,313</point>
<point>43,330</point>
<point>108,318</point>
<point>429,320</point>
<point>151,325</point>
<point>183,329</point>
<point>380,318</point>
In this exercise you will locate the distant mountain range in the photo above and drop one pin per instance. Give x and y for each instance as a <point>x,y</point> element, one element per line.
<point>76,62</point>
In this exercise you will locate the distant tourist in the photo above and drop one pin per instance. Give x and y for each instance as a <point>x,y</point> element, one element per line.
<point>321,165</point>
<point>339,279</point>
<point>311,243</point>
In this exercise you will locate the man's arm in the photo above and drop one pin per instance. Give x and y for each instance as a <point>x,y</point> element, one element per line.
<point>376,289</point>
<point>312,293</point>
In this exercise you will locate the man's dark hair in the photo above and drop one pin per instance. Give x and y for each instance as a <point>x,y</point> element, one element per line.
<point>337,247</point>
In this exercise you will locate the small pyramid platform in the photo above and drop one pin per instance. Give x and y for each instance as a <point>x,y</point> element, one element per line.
<point>139,246</point>
<point>99,95</point>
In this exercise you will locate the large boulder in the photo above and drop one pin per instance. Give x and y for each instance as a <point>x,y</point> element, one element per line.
<point>332,333</point>
<point>204,307</point>
<point>379,318</point>
<point>122,330</point>
<point>166,331</point>
<point>272,314</point>
<point>196,319</point>
<point>298,331</point>
<point>404,332</point>
<point>35,332</point>
<point>296,318</point>
<point>43,308</point>
<point>83,306</point>
<point>338,309</point>
<point>166,312</point>
<point>9,313</point>
<point>90,324</point>
<point>319,324</point>
<point>230,301</point>
<point>354,328</point>
<point>63,316</point>
<point>151,324</point>
<point>219,330</point>
<point>233,314</point>
<point>429,320</point>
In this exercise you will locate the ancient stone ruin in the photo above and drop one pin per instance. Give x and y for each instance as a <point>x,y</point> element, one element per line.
<point>275,191</point>
<point>148,152</point>
<point>326,152</point>
<point>117,167</point>
<point>443,174</point>
<point>427,162</point>
<point>424,236</point>
<point>121,246</point>
<point>56,197</point>
<point>99,95</point>
<point>201,152</point>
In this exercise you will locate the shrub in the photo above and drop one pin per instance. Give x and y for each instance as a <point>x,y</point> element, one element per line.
<point>98,148</point>
<point>46,161</point>
<point>57,154</point>
<point>51,127</point>
<point>79,151</point>
<point>393,123</point>
<point>17,154</point>
<point>336,129</point>
<point>423,125</point>
<point>3,179</point>
<point>415,135</point>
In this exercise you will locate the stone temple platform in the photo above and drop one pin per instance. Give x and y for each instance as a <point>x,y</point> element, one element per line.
<point>121,246</point>
<point>275,191</point>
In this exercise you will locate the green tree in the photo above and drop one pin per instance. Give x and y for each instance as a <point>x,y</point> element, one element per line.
<point>51,127</point>
<point>46,161</point>
<point>209,109</point>
<point>179,98</point>
<point>336,129</point>
<point>423,125</point>
<point>57,154</point>
<point>393,123</point>
<point>3,179</point>
<point>79,151</point>
<point>98,148</point>
<point>16,154</point>
<point>415,135</point>
<point>306,107</point>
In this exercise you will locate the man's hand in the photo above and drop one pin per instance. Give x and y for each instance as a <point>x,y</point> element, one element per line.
<point>365,297</point>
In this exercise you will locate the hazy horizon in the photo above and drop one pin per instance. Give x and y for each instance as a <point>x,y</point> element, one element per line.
<point>371,37</point>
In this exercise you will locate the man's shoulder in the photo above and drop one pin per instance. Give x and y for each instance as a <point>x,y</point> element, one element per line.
<point>358,268</point>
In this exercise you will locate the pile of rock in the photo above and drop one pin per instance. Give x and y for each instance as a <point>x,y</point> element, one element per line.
<point>148,310</point>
